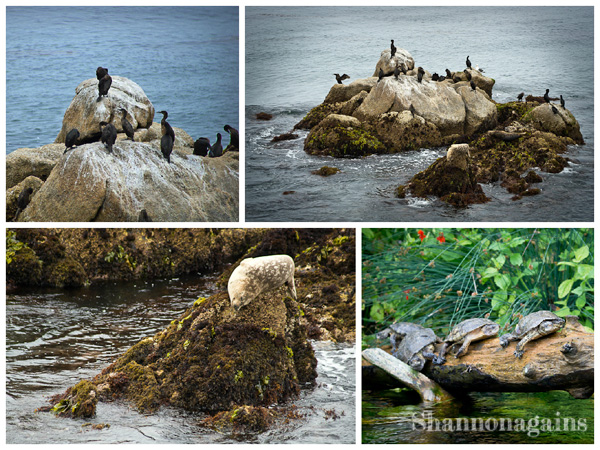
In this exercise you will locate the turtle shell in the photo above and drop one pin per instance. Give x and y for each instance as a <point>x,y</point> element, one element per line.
<point>533,320</point>
<point>467,326</point>
<point>414,343</point>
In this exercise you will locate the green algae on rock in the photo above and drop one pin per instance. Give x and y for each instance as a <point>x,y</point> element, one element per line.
<point>326,171</point>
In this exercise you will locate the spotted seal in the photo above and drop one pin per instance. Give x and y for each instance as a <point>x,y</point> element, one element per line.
<point>255,276</point>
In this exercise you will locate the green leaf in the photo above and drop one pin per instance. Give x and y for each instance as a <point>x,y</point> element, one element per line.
<point>585,271</point>
<point>377,313</point>
<point>580,302</point>
<point>582,253</point>
<point>516,259</point>
<point>502,281</point>
<point>565,288</point>
<point>499,261</point>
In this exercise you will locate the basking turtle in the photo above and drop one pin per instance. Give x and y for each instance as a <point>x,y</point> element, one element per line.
<point>397,331</point>
<point>532,326</point>
<point>417,347</point>
<point>468,331</point>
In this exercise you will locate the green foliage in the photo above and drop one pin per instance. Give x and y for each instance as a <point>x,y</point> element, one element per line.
<point>12,246</point>
<point>121,256</point>
<point>438,277</point>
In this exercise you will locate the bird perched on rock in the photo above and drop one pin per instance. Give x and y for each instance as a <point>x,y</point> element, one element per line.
<point>71,139</point>
<point>520,96</point>
<point>393,48</point>
<point>100,72</point>
<point>562,101</point>
<point>546,96</point>
<point>396,72</point>
<point>477,68</point>
<point>341,78</point>
<point>127,127</point>
<point>468,63</point>
<point>217,149</point>
<point>448,74</point>
<point>234,137</point>
<point>109,135</point>
<point>403,68</point>
<point>380,74</point>
<point>104,85</point>
<point>201,146</point>
<point>23,201</point>
<point>468,74</point>
<point>435,77</point>
<point>473,86</point>
<point>168,137</point>
<point>420,73</point>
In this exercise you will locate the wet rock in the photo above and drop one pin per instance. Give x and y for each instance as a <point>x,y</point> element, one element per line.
<point>284,137</point>
<point>400,131</point>
<point>13,193</point>
<point>561,124</point>
<point>326,171</point>
<point>264,116</point>
<point>85,113</point>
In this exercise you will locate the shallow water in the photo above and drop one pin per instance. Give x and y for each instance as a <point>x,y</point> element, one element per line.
<point>515,46</point>
<point>390,417</point>
<point>57,337</point>
<point>184,58</point>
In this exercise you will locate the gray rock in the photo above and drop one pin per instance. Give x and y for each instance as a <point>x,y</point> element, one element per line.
<point>13,193</point>
<point>38,162</point>
<point>89,184</point>
<point>388,63</point>
<point>85,112</point>
<point>344,92</point>
<point>561,124</point>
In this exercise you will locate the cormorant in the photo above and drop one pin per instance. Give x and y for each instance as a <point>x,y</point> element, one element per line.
<point>554,110</point>
<point>393,48</point>
<point>143,217</point>
<point>448,74</point>
<point>520,96</point>
<point>473,86</point>
<point>23,201</point>
<point>396,72</point>
<point>342,78</point>
<point>71,139</point>
<point>442,78</point>
<point>127,127</point>
<point>217,148</point>
<point>104,85</point>
<point>168,138</point>
<point>403,68</point>
<point>234,137</point>
<point>420,73</point>
<point>468,74</point>
<point>435,77</point>
<point>468,63</point>
<point>380,74</point>
<point>546,96</point>
<point>201,146</point>
<point>100,72</point>
<point>562,101</point>
<point>109,135</point>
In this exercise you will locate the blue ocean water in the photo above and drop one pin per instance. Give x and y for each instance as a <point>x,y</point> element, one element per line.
<point>293,52</point>
<point>184,58</point>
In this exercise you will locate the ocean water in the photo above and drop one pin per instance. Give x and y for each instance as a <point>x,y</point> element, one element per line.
<point>293,52</point>
<point>184,58</point>
<point>56,337</point>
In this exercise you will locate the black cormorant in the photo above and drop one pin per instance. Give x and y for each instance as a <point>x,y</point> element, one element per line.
<point>109,135</point>
<point>442,78</point>
<point>435,77</point>
<point>473,86</point>
<point>393,48</point>
<point>468,63</point>
<point>546,96</point>
<point>420,73</point>
<point>380,74</point>
<point>520,96</point>
<point>217,148</point>
<point>168,138</point>
<point>71,139</point>
<point>127,127</point>
<point>234,137</point>
<point>468,74</point>
<point>403,68</point>
<point>104,85</point>
<point>341,78</point>
<point>562,101</point>
<point>396,72</point>
<point>201,146</point>
<point>23,201</point>
<point>100,72</point>
<point>448,74</point>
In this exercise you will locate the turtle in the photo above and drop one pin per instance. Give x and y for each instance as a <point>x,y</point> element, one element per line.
<point>417,347</point>
<point>397,331</point>
<point>532,326</point>
<point>468,331</point>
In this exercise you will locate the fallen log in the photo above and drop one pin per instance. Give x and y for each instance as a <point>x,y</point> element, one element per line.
<point>561,361</point>
<point>428,389</point>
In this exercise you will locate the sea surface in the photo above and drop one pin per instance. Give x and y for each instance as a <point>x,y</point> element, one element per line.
<point>293,52</point>
<point>56,337</point>
<point>184,58</point>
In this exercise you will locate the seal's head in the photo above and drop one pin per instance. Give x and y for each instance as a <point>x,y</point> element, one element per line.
<point>237,301</point>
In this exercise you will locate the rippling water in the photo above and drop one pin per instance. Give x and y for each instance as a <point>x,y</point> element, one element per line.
<point>184,58</point>
<point>292,53</point>
<point>55,338</point>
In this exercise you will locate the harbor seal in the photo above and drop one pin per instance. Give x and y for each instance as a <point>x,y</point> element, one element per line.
<point>457,156</point>
<point>255,276</point>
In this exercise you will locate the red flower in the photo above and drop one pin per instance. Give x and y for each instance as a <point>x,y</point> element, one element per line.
<point>421,235</point>
<point>441,238</point>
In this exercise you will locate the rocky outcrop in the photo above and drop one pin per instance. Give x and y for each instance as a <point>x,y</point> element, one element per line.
<point>13,194</point>
<point>90,184</point>
<point>37,162</point>
<point>86,110</point>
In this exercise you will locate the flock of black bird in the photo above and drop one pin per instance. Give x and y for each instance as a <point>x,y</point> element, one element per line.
<point>108,136</point>
<point>546,99</point>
